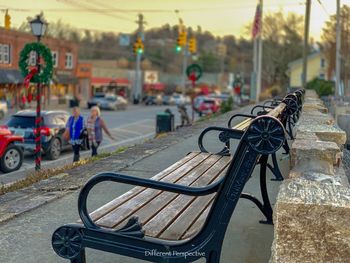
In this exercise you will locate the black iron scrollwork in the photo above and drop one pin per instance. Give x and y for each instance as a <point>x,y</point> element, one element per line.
<point>292,104</point>
<point>132,228</point>
<point>224,136</point>
<point>266,135</point>
<point>67,242</point>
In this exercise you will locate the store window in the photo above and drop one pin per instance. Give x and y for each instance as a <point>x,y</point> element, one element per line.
<point>55,58</point>
<point>5,54</point>
<point>69,61</point>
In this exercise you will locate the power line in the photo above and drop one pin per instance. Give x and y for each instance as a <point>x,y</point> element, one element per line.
<point>323,7</point>
<point>108,10</point>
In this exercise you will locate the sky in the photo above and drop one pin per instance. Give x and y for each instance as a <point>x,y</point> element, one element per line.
<point>221,17</point>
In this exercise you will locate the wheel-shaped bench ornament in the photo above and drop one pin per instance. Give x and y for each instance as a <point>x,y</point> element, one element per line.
<point>67,242</point>
<point>266,135</point>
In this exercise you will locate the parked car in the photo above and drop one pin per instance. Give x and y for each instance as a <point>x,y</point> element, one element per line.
<point>11,155</point>
<point>208,106</point>
<point>197,102</point>
<point>221,97</point>
<point>154,100</point>
<point>53,126</point>
<point>3,109</point>
<point>108,102</point>
<point>179,99</point>
<point>168,100</point>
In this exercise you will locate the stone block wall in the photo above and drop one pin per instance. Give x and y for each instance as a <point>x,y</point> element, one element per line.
<point>312,210</point>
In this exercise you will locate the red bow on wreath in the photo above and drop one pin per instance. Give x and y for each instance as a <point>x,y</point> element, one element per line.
<point>192,77</point>
<point>30,75</point>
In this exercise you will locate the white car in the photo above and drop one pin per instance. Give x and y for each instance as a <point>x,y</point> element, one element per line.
<point>3,109</point>
<point>179,99</point>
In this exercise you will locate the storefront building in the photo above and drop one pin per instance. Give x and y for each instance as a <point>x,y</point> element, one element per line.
<point>64,82</point>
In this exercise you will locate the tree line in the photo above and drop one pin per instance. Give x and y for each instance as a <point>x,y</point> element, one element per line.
<point>282,34</point>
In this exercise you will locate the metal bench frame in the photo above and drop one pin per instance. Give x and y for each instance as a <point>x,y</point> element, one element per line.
<point>265,135</point>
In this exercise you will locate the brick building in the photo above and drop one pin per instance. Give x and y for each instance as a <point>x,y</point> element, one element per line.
<point>64,81</point>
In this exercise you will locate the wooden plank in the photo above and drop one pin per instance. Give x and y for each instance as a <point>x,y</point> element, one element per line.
<point>149,210</point>
<point>165,217</point>
<point>98,213</point>
<point>119,213</point>
<point>187,218</point>
<point>276,112</point>
<point>198,224</point>
<point>243,125</point>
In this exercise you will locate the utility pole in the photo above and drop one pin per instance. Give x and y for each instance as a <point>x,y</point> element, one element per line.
<point>184,67</point>
<point>138,83</point>
<point>259,47</point>
<point>338,52</point>
<point>306,43</point>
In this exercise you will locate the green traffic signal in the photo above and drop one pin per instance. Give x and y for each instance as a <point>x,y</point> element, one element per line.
<point>178,48</point>
<point>140,51</point>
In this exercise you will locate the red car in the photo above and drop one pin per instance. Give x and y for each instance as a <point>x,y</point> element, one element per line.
<point>11,155</point>
<point>208,106</point>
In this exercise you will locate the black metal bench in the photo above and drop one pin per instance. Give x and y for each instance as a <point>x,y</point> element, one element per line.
<point>182,213</point>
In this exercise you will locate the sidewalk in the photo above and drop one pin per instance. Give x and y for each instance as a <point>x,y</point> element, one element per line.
<point>26,238</point>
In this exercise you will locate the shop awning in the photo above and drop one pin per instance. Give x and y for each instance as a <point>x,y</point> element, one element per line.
<point>103,81</point>
<point>155,86</point>
<point>10,76</point>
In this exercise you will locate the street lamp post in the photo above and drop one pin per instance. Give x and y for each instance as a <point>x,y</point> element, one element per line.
<point>38,26</point>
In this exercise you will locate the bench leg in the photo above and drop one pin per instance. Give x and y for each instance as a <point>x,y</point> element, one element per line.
<point>79,259</point>
<point>265,205</point>
<point>214,257</point>
<point>275,169</point>
<point>290,130</point>
<point>264,194</point>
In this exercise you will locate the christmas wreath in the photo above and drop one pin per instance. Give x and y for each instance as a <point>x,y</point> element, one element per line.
<point>45,73</point>
<point>194,72</point>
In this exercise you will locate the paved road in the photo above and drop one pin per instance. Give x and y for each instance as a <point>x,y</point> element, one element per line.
<point>129,127</point>
<point>27,237</point>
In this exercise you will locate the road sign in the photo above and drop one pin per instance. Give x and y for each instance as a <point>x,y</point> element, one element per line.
<point>151,77</point>
<point>124,40</point>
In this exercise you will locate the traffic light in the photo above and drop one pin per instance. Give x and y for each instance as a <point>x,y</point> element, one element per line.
<point>192,45</point>
<point>183,38</point>
<point>138,46</point>
<point>178,45</point>
<point>7,20</point>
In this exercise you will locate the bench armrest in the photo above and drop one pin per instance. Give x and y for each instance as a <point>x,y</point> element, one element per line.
<point>263,107</point>
<point>239,115</point>
<point>225,135</point>
<point>149,183</point>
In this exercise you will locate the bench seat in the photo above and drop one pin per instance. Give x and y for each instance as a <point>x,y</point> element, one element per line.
<point>168,215</point>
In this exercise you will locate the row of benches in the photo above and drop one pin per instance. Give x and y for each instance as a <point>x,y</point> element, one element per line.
<point>181,214</point>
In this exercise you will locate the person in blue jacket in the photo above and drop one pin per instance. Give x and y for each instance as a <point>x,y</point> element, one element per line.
<point>74,132</point>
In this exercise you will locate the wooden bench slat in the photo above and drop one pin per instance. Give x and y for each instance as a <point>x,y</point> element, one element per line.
<point>152,208</point>
<point>188,217</point>
<point>100,212</point>
<point>166,216</point>
<point>243,125</point>
<point>197,225</point>
<point>120,212</point>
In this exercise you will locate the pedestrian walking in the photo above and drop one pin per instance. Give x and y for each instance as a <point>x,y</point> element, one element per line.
<point>184,115</point>
<point>75,132</point>
<point>95,124</point>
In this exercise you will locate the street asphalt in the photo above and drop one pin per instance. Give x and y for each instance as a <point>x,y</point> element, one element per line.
<point>129,127</point>
<point>27,238</point>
